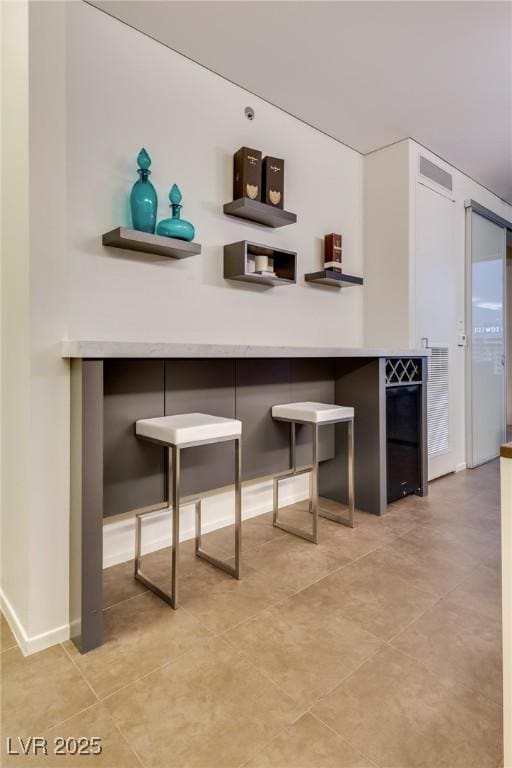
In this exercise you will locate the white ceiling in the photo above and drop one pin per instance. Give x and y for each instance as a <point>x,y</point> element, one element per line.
<point>367,73</point>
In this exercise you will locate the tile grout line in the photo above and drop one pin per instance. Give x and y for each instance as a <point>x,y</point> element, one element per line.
<point>392,639</point>
<point>443,678</point>
<point>245,659</point>
<point>91,706</point>
<point>160,667</point>
<point>389,642</point>
<point>331,573</point>
<point>126,741</point>
<point>324,576</point>
<point>71,717</point>
<point>82,675</point>
<point>271,741</point>
<point>370,658</point>
<point>154,669</point>
<point>4,650</point>
<point>126,600</point>
<point>282,600</point>
<point>342,681</point>
<point>331,690</point>
<point>265,675</point>
<point>356,749</point>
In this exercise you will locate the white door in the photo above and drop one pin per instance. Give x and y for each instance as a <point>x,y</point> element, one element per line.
<point>486,353</point>
<point>436,319</point>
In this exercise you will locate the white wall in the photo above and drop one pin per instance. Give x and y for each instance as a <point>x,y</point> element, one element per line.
<point>99,91</point>
<point>126,91</point>
<point>49,457</point>
<point>390,193</point>
<point>15,309</point>
<point>387,246</point>
<point>35,400</point>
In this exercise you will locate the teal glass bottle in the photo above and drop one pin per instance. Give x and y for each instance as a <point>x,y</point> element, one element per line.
<point>143,199</point>
<point>176,227</point>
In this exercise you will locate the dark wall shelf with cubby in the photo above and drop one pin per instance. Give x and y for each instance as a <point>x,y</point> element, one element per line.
<point>333,278</point>
<point>144,242</point>
<point>259,213</point>
<point>240,264</point>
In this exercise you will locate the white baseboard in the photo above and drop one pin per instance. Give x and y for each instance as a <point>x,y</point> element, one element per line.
<point>36,643</point>
<point>119,536</point>
<point>460,467</point>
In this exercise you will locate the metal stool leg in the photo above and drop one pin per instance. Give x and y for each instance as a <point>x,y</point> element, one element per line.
<point>293,448</point>
<point>238,506</point>
<point>173,491</point>
<point>176,485</point>
<point>313,536</point>
<point>314,484</point>
<point>351,502</point>
<point>138,544</point>
<point>275,500</point>
<point>349,521</point>
<point>198,527</point>
<point>227,567</point>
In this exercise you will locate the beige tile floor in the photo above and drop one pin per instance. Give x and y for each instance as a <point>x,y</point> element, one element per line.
<point>378,647</point>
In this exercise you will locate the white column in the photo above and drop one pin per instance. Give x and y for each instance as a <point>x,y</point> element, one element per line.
<point>15,468</point>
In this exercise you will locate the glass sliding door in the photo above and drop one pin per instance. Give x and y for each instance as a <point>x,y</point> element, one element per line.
<point>486,338</point>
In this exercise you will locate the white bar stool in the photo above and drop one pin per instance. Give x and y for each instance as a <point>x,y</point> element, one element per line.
<point>315,414</point>
<point>186,430</point>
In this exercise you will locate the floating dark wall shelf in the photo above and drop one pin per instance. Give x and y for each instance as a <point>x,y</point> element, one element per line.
<point>331,277</point>
<point>133,240</point>
<point>238,257</point>
<point>261,213</point>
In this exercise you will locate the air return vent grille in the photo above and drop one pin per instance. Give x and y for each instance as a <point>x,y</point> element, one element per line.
<point>436,174</point>
<point>438,401</point>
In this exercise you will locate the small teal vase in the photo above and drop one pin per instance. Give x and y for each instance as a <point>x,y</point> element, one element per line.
<point>176,227</point>
<point>143,199</point>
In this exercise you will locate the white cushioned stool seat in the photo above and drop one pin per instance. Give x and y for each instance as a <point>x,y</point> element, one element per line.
<point>188,428</point>
<point>313,413</point>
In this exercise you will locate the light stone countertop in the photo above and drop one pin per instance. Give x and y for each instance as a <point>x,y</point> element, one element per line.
<point>143,349</point>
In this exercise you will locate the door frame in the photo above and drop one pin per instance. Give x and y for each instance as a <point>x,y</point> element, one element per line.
<point>471,206</point>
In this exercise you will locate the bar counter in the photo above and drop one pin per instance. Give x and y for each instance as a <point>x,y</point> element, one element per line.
<point>143,349</point>
<point>114,383</point>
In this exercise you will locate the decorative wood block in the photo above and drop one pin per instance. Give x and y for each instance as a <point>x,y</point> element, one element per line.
<point>332,251</point>
<point>144,242</point>
<point>247,173</point>
<point>333,278</point>
<point>260,213</point>
<point>272,179</point>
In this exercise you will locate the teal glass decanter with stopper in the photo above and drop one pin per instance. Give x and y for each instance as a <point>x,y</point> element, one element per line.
<point>175,226</point>
<point>143,198</point>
